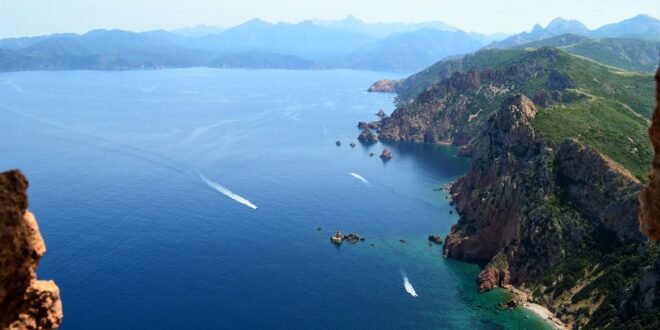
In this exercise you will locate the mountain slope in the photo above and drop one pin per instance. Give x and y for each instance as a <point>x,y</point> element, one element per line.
<point>640,26</point>
<point>559,151</point>
<point>625,53</point>
<point>380,30</point>
<point>410,51</point>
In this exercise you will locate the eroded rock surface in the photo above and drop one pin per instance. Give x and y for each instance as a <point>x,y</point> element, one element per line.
<point>25,302</point>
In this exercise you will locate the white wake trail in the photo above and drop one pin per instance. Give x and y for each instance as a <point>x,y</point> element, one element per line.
<point>359,177</point>
<point>227,192</point>
<point>406,285</point>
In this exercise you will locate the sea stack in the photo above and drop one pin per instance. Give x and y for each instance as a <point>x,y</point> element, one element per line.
<point>352,144</point>
<point>386,155</point>
<point>338,143</point>
<point>381,113</point>
<point>367,137</point>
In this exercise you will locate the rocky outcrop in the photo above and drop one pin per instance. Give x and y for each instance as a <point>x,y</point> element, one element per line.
<point>435,239</point>
<point>649,215</point>
<point>383,86</point>
<point>340,237</point>
<point>381,113</point>
<point>25,302</point>
<point>386,155</point>
<point>367,137</point>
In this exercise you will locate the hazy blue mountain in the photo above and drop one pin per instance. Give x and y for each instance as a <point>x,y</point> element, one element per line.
<point>304,39</point>
<point>380,30</point>
<point>555,27</point>
<point>640,26</point>
<point>410,51</point>
<point>22,42</point>
<point>198,31</point>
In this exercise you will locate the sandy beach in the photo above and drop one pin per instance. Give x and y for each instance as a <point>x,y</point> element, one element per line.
<point>542,311</point>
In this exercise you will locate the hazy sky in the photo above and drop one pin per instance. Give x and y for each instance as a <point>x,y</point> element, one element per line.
<point>34,17</point>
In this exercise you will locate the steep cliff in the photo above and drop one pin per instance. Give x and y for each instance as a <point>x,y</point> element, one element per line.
<point>25,302</point>
<point>650,198</point>
<point>559,154</point>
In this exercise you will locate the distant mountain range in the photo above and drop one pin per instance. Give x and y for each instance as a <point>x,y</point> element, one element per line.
<point>348,43</point>
<point>640,27</point>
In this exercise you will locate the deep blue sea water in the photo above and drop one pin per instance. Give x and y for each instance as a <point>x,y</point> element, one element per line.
<point>136,239</point>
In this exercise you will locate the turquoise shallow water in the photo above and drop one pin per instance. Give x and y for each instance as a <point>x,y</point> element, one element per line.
<point>137,240</point>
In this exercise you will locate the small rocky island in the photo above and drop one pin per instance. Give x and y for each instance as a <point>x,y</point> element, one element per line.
<point>381,113</point>
<point>435,239</point>
<point>367,137</point>
<point>340,237</point>
<point>386,155</point>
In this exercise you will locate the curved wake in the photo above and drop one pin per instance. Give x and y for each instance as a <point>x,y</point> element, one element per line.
<point>406,285</point>
<point>359,177</point>
<point>135,152</point>
<point>227,192</point>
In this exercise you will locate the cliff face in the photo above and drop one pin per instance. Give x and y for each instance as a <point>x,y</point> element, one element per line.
<point>650,198</point>
<point>547,217</point>
<point>25,302</point>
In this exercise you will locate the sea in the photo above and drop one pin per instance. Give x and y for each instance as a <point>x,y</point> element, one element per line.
<point>206,198</point>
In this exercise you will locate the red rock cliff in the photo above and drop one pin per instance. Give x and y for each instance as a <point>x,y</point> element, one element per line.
<point>25,302</point>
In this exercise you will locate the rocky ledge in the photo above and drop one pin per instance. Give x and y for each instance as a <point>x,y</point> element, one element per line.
<point>435,239</point>
<point>383,86</point>
<point>25,302</point>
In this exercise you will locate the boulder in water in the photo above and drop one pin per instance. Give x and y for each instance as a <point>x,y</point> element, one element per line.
<point>386,155</point>
<point>435,238</point>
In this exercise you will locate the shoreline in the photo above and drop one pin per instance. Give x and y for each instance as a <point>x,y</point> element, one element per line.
<point>523,298</point>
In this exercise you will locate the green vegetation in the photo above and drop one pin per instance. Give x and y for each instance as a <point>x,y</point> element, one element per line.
<point>605,125</point>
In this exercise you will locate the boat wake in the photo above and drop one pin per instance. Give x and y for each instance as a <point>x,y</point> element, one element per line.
<point>406,285</point>
<point>227,192</point>
<point>359,177</point>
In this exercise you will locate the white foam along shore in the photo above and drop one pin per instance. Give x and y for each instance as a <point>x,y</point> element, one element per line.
<point>537,309</point>
<point>227,192</point>
<point>359,177</point>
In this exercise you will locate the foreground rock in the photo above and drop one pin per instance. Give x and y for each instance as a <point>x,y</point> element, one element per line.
<point>340,237</point>
<point>435,239</point>
<point>383,86</point>
<point>367,137</point>
<point>649,211</point>
<point>25,302</point>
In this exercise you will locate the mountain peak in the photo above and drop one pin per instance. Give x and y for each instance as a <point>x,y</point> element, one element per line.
<point>560,25</point>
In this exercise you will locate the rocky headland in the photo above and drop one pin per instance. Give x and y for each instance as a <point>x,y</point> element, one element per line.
<point>25,301</point>
<point>547,210</point>
<point>383,86</point>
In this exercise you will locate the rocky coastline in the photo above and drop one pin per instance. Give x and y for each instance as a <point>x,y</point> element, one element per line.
<point>25,301</point>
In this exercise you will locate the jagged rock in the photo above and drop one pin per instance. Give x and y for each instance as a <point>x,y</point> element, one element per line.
<point>649,212</point>
<point>367,137</point>
<point>383,86</point>
<point>381,113</point>
<point>340,237</point>
<point>386,155</point>
<point>352,144</point>
<point>25,302</point>
<point>338,143</point>
<point>435,238</point>
<point>337,238</point>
